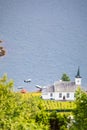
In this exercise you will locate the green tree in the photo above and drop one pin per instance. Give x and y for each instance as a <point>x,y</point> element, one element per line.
<point>80,112</point>
<point>65,77</point>
<point>16,111</point>
<point>20,113</point>
<point>57,121</point>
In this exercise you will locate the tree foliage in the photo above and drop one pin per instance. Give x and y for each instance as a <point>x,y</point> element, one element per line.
<point>20,113</point>
<point>16,112</point>
<point>80,112</point>
<point>65,77</point>
<point>57,121</point>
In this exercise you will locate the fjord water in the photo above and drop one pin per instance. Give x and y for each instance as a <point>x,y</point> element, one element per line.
<point>43,40</point>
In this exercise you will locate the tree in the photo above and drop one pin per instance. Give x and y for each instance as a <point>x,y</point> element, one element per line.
<point>65,77</point>
<point>16,111</point>
<point>57,121</point>
<point>80,112</point>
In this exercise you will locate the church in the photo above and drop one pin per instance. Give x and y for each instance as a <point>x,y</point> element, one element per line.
<point>62,90</point>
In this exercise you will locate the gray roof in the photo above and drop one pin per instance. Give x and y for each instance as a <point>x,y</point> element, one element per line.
<point>61,86</point>
<point>64,86</point>
<point>49,89</point>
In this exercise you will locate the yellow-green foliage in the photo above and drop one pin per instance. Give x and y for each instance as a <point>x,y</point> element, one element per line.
<point>49,104</point>
<point>19,111</point>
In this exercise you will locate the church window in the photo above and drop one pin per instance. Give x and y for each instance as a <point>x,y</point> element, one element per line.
<point>60,95</point>
<point>51,94</point>
<point>68,95</point>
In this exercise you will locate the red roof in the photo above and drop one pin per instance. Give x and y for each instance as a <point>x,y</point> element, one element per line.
<point>23,91</point>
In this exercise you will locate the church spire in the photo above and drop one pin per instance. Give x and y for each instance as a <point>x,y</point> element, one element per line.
<point>78,78</point>
<point>78,73</point>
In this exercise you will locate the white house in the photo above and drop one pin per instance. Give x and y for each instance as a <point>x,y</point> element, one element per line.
<point>62,90</point>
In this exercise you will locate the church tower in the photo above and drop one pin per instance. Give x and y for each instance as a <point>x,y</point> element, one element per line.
<point>78,78</point>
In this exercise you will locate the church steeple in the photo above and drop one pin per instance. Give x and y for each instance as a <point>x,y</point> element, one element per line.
<point>78,73</point>
<point>78,78</point>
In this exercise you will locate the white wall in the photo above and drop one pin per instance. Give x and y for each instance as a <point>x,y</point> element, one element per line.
<point>64,94</point>
<point>78,81</point>
<point>55,96</point>
<point>48,95</point>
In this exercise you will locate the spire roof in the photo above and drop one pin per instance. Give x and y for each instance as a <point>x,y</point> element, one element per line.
<point>78,73</point>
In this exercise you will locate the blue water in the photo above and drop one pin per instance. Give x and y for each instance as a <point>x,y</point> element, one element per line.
<point>43,40</point>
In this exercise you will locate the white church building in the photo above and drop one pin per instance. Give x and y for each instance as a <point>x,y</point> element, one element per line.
<point>62,90</point>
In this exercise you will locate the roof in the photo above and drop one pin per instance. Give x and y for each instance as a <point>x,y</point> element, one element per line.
<point>23,91</point>
<point>48,89</point>
<point>61,86</point>
<point>78,73</point>
<point>65,86</point>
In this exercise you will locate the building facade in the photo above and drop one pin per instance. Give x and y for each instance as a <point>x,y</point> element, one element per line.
<point>62,90</point>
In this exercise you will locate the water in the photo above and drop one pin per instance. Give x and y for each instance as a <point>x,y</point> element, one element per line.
<point>43,39</point>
